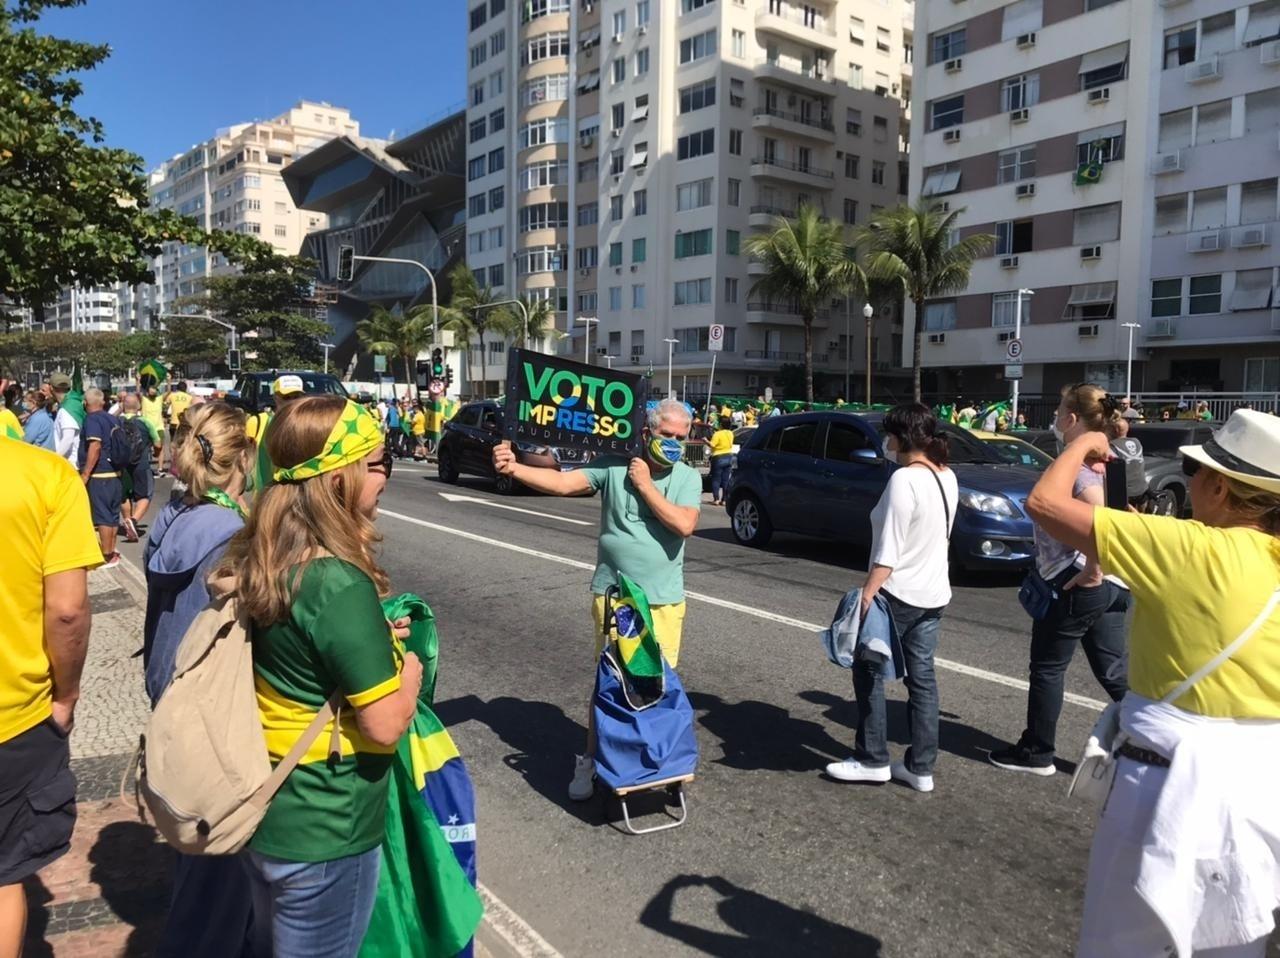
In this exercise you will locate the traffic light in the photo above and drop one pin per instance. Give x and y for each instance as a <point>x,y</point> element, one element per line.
<point>346,263</point>
<point>448,376</point>
<point>437,363</point>
<point>233,360</point>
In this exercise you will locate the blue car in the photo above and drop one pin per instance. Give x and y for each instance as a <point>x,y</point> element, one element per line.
<point>821,474</point>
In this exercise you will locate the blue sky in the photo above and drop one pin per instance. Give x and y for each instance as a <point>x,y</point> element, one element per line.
<point>180,69</point>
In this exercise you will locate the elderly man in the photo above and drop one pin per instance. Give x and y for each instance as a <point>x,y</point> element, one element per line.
<point>141,482</point>
<point>106,490</point>
<point>649,506</point>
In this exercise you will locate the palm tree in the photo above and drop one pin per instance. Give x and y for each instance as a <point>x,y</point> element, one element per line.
<point>911,249</point>
<point>808,263</point>
<point>540,325</point>
<point>385,333</point>
<point>467,315</point>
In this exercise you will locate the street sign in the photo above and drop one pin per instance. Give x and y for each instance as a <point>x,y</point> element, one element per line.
<point>436,388</point>
<point>715,338</point>
<point>1013,371</point>
<point>379,364</point>
<point>1013,349</point>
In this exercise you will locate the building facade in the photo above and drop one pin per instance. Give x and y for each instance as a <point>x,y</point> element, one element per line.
<point>620,152</point>
<point>1118,153</point>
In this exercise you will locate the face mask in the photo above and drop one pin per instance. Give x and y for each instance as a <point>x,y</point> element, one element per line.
<point>1058,434</point>
<point>664,451</point>
<point>888,453</point>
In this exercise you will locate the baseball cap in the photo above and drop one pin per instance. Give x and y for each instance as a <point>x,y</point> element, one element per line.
<point>60,381</point>
<point>287,385</point>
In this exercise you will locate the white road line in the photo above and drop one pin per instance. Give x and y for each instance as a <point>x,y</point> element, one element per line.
<point>513,929</point>
<point>453,497</point>
<point>999,679</point>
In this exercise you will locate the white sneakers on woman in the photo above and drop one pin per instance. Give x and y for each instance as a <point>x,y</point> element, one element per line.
<point>851,770</point>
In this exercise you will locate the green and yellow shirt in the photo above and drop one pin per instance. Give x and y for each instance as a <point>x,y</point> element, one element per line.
<point>335,639</point>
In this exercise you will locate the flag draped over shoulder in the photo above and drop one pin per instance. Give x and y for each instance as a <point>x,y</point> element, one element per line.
<point>73,402</point>
<point>637,645</point>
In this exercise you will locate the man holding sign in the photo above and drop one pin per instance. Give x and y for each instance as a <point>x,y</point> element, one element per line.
<point>649,506</point>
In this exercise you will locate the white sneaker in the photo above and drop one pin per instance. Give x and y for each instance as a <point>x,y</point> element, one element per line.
<point>900,773</point>
<point>851,770</point>
<point>584,779</point>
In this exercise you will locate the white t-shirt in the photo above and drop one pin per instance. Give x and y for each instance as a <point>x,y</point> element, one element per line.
<point>910,535</point>
<point>66,438</point>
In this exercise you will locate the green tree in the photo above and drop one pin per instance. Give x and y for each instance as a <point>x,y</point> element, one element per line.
<point>540,325</point>
<point>470,314</point>
<point>192,341</point>
<point>387,333</point>
<point>808,262</point>
<point>910,249</point>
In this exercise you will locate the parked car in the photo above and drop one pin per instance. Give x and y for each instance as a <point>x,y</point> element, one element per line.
<point>1042,439</point>
<point>821,474</point>
<point>466,448</point>
<point>1161,460</point>
<point>1013,449</point>
<point>253,390</point>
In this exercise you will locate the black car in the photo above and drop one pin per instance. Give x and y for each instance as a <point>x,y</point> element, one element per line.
<point>466,448</point>
<point>1161,460</point>
<point>253,390</point>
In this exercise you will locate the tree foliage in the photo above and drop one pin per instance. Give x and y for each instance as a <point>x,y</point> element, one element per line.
<point>470,315</point>
<point>112,353</point>
<point>395,334</point>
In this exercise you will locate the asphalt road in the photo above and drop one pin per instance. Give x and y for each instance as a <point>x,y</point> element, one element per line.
<point>774,859</point>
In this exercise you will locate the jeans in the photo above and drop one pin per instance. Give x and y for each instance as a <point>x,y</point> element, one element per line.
<point>720,468</point>
<point>1094,618</point>
<point>918,633</point>
<point>209,910</point>
<point>311,909</point>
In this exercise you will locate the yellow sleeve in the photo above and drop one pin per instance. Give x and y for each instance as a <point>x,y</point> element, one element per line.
<point>1152,554</point>
<point>70,541</point>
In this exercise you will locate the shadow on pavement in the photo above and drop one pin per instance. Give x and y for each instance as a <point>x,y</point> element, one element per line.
<point>34,943</point>
<point>761,926</point>
<point>782,546</point>
<point>757,735</point>
<point>132,867</point>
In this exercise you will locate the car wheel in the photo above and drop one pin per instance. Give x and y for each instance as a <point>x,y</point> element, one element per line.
<point>504,485</point>
<point>751,526</point>
<point>447,468</point>
<point>1181,507</point>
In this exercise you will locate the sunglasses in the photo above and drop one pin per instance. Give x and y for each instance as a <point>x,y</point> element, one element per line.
<point>384,465</point>
<point>1190,466</point>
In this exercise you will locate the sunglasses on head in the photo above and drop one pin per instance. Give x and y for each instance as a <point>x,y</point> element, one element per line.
<point>384,465</point>
<point>1190,466</point>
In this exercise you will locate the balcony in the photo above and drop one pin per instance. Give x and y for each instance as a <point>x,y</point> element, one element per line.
<point>756,268</point>
<point>782,356</point>
<point>795,24</point>
<point>762,216</point>
<point>797,124</point>
<point>784,171</point>
<point>780,314</point>
<point>819,78</point>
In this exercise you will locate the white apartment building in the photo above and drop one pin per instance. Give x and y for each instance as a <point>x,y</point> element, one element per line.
<point>1070,130</point>
<point>620,152</point>
<point>92,310</point>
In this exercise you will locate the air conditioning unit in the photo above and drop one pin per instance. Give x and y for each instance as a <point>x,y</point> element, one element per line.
<point>1270,53</point>
<point>618,270</point>
<point>951,136</point>
<point>1168,163</point>
<point>953,65</point>
<point>1023,190</point>
<point>1087,331</point>
<point>1004,337</point>
<point>1101,95</point>
<point>1249,236</point>
<point>1008,262</point>
<point>617,38</point>
<point>643,29</point>
<point>937,338</point>
<point>832,345</point>
<point>1171,3</point>
<point>587,141</point>
<point>633,268</point>
<point>1026,40</point>
<point>1019,116</point>
<point>1163,328</point>
<point>1203,70</point>
<point>617,133</point>
<point>1090,252</point>
<point>1204,242</point>
<point>637,358</point>
<point>602,350</point>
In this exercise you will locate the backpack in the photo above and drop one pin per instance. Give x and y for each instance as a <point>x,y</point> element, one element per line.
<point>202,765</point>
<point>137,437</point>
<point>117,447</point>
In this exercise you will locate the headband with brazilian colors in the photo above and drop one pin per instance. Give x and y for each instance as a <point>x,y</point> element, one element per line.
<point>352,438</point>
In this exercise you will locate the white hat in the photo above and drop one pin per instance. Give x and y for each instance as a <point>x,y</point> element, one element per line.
<point>287,385</point>
<point>1247,449</point>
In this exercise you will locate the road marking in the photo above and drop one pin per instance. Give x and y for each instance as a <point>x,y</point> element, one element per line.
<point>512,929</point>
<point>454,497</point>
<point>996,677</point>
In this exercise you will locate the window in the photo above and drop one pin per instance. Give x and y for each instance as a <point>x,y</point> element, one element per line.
<point>855,76</point>
<point>619,23</point>
<point>1179,46</point>
<point>688,6</point>
<point>533,9</point>
<point>541,216</point>
<point>948,46</point>
<point>1096,224</point>
<point>478,16</point>
<point>882,39</point>
<point>642,13</point>
<point>479,53</point>
<point>545,88</point>
<point>496,7</point>
<point>637,342</point>
<point>1217,34</point>
<point>619,69</point>
<point>496,275</point>
<point>640,202</point>
<point>1019,92</point>
<point>1175,131</point>
<point>850,211</point>
<point>637,296</point>
<point>1209,209</point>
<point>1264,23</point>
<point>882,84</point>
<point>546,173</point>
<point>1013,237</point>
<point>702,143</point>
<point>693,243</point>
<point>1103,145</point>
<point>1100,67</point>
<point>282,231</point>
<point>735,192</point>
<point>857,31</point>
<point>1253,289</point>
<point>497,198</point>
<point>1166,297</point>
<point>477,93</point>
<point>642,61</point>
<point>615,254</point>
<point>1023,16</point>
<point>544,47</point>
<point>540,259</point>
<point>617,163</point>
<point>615,298</point>
<point>588,213</point>
<point>1090,301</point>
<point>851,162</point>
<point>588,170</point>
<point>497,43</point>
<point>638,249</point>
<point>693,195</point>
<point>697,96</point>
<point>476,130</point>
<point>880,128</point>
<point>798,440</point>
<point>730,289</point>
<point>939,316</point>
<point>1213,122</point>
<point>1258,202</point>
<point>497,159</point>
<point>877,173</point>
<point>732,242</point>
<point>495,84</point>
<point>475,168</point>
<point>1171,214</point>
<point>853,122</point>
<point>539,132</point>
<point>497,120</point>
<point>1262,111</point>
<point>281,207</point>
<point>948,112</point>
<point>735,142</point>
<point>693,292</point>
<point>739,47</point>
<point>617,116</point>
<point>588,80</point>
<point>1013,165</point>
<point>476,205</point>
<point>1205,295</point>
<point>1004,310</point>
<point>588,257</point>
<point>475,243</point>
<point>495,237</point>
<point>699,46</point>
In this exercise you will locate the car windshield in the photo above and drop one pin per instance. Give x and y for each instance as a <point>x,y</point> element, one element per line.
<point>967,450</point>
<point>1017,453</point>
<point>313,384</point>
<point>1165,440</point>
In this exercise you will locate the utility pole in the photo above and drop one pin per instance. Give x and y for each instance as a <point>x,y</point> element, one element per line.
<point>1128,373</point>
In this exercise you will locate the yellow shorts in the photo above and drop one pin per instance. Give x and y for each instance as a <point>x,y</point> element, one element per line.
<point>668,626</point>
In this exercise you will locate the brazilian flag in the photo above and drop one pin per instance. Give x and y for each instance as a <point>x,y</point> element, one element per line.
<point>637,644</point>
<point>1090,171</point>
<point>155,369</point>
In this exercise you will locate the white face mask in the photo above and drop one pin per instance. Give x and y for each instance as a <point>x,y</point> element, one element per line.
<point>888,453</point>
<point>1058,432</point>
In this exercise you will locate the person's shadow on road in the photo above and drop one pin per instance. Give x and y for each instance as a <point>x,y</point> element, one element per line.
<point>760,736</point>
<point>761,926</point>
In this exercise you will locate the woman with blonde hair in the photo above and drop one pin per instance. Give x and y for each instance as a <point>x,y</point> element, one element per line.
<point>209,907</point>
<point>310,583</point>
<point>1186,856</point>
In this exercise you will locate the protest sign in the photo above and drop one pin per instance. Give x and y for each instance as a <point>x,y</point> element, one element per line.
<point>555,401</point>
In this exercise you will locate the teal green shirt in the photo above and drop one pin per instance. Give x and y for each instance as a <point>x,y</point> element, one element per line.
<point>632,539</point>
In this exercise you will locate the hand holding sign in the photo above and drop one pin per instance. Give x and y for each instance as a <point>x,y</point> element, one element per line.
<point>504,459</point>
<point>639,473</point>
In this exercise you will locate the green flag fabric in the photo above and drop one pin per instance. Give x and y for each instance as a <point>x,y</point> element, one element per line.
<point>423,641</point>
<point>154,368</point>
<point>637,645</point>
<point>73,403</point>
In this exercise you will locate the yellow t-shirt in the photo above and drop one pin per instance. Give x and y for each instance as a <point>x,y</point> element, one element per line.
<point>1195,589</point>
<point>45,516</point>
<point>153,412</point>
<point>419,423</point>
<point>256,425</point>
<point>721,443</point>
<point>178,403</point>
<point>9,424</point>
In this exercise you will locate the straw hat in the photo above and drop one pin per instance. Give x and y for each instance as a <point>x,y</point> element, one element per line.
<point>1247,449</point>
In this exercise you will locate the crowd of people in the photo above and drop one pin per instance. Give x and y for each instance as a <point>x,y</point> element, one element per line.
<point>286,508</point>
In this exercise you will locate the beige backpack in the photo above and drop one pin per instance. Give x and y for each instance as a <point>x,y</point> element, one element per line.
<point>202,765</point>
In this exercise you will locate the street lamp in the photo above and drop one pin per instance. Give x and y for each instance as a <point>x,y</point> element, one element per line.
<point>327,347</point>
<point>435,305</point>
<point>207,318</point>
<point>848,348</point>
<point>1017,334</point>
<point>587,321</point>
<point>671,349</point>
<point>867,313</point>
<point>1128,372</point>
<point>608,361</point>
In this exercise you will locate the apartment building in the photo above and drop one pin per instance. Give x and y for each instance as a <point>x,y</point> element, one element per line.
<point>92,310</point>
<point>1092,140</point>
<point>620,152</point>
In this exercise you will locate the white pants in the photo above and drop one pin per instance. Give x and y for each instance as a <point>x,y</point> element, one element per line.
<point>1117,921</point>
